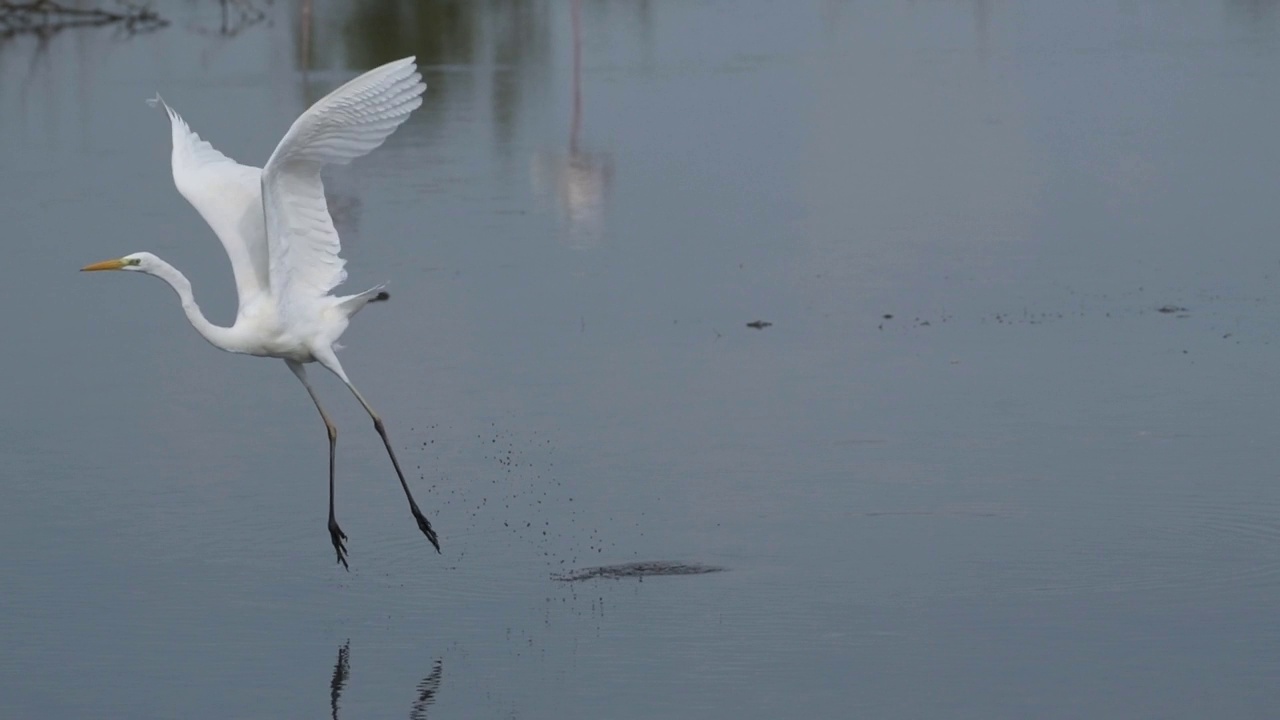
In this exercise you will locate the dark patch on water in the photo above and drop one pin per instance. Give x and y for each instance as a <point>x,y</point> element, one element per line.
<point>637,570</point>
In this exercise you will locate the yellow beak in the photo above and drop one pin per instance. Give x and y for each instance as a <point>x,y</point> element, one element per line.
<point>104,265</point>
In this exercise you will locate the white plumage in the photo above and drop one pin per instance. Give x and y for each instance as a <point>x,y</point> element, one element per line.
<point>285,253</point>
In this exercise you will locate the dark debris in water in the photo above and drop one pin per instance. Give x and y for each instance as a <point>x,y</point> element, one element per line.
<point>1083,306</point>
<point>759,324</point>
<point>636,570</point>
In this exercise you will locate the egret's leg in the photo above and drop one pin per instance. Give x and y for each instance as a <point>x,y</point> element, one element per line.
<point>335,532</point>
<point>330,361</point>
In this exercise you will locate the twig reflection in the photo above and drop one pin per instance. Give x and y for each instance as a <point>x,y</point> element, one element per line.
<point>237,16</point>
<point>580,178</point>
<point>46,17</point>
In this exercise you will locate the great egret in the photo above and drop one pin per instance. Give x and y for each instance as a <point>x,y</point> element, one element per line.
<point>276,229</point>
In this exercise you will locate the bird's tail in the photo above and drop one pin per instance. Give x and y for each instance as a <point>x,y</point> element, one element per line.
<point>352,304</point>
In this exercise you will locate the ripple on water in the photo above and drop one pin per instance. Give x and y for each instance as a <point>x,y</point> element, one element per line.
<point>1178,546</point>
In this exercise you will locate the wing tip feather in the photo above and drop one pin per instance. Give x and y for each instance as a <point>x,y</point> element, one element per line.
<point>174,117</point>
<point>376,103</point>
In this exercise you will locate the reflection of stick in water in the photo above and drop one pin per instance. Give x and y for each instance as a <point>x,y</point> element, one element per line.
<point>237,16</point>
<point>45,17</point>
<point>246,15</point>
<point>580,177</point>
<point>341,671</point>
<point>427,692</point>
<point>575,124</point>
<point>305,45</point>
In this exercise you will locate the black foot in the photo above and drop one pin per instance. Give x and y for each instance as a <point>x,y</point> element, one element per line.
<point>425,527</point>
<point>337,536</point>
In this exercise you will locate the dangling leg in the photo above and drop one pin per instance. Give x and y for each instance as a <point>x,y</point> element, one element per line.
<point>330,361</point>
<point>335,532</point>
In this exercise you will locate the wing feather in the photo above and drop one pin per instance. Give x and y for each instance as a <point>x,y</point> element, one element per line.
<point>302,245</point>
<point>228,196</point>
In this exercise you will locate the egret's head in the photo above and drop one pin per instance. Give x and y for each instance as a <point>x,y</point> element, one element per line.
<point>143,261</point>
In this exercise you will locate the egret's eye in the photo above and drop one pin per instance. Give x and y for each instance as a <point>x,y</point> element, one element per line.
<point>133,261</point>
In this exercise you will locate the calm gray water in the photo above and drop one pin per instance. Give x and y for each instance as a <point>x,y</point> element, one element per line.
<point>1027,493</point>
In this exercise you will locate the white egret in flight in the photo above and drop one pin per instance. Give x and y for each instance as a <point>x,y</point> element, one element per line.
<point>276,229</point>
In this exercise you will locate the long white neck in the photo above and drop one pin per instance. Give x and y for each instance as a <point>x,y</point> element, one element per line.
<point>220,337</point>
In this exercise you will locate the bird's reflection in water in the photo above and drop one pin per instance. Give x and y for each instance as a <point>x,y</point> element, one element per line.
<point>341,671</point>
<point>427,687</point>
<point>426,692</point>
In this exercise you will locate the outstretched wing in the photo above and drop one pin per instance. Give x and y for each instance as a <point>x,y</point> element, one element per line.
<point>347,123</point>
<point>228,196</point>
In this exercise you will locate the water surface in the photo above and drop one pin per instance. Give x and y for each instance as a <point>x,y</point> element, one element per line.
<point>969,470</point>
